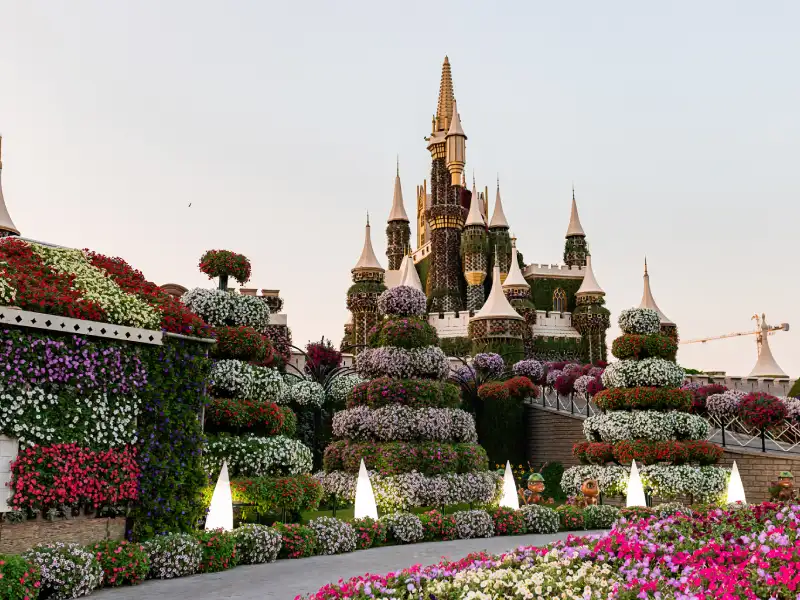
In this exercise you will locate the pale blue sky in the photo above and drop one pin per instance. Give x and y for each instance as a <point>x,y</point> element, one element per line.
<point>280,123</point>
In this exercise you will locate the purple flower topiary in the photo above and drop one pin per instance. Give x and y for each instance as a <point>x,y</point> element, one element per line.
<point>489,362</point>
<point>403,301</point>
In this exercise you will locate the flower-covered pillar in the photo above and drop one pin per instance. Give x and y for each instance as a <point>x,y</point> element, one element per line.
<point>474,248</point>
<point>591,318</point>
<point>362,296</point>
<point>575,249</point>
<point>398,231</point>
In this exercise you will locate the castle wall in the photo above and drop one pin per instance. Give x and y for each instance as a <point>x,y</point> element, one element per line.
<point>776,387</point>
<point>553,324</point>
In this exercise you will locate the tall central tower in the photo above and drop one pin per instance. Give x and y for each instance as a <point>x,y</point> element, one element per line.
<point>446,214</point>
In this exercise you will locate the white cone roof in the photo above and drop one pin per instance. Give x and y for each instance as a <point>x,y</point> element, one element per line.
<point>368,260</point>
<point>455,123</point>
<point>649,302</point>
<point>497,304</point>
<point>589,284</point>
<point>398,212</point>
<point>498,216</point>
<point>574,227</point>
<point>408,274</point>
<point>515,278</point>
<point>475,216</point>
<point>6,224</point>
<point>766,365</point>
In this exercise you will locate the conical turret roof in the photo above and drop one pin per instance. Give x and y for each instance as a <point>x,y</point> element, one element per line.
<point>455,123</point>
<point>497,304</point>
<point>515,278</point>
<point>498,216</point>
<point>368,260</point>
<point>589,284</point>
<point>766,365</point>
<point>649,302</point>
<point>475,217</point>
<point>575,228</point>
<point>408,274</point>
<point>444,108</point>
<point>398,212</point>
<point>6,224</point>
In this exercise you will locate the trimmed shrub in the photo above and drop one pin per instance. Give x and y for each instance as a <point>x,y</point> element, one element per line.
<point>241,343</point>
<point>571,517</point>
<point>600,516</point>
<point>644,398</point>
<point>416,393</point>
<point>761,410</point>
<point>176,555</point>
<point>369,532</point>
<point>474,524</point>
<point>256,544</point>
<point>540,519</point>
<point>403,528</point>
<point>644,346</point>
<point>295,493</point>
<point>257,416</point>
<point>19,579</point>
<point>403,332</point>
<point>507,521</point>
<point>298,541</point>
<point>68,570</point>
<point>437,526</point>
<point>634,513</point>
<point>219,551</point>
<point>333,535</point>
<point>122,562</point>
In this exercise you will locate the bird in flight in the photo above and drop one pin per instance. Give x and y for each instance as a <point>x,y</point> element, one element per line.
<point>190,205</point>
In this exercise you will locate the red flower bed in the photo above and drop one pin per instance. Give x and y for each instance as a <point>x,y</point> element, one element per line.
<point>219,551</point>
<point>414,393</point>
<point>41,288</point>
<point>507,521</point>
<point>644,346</point>
<point>700,395</point>
<point>644,398</point>
<point>216,263</point>
<point>242,343</point>
<point>368,532</point>
<point>49,476</point>
<point>299,541</point>
<point>175,317</point>
<point>264,418</point>
<point>647,452</point>
<point>703,452</point>
<point>517,387</point>
<point>122,562</point>
<point>761,410</point>
<point>437,526</point>
<point>565,384</point>
<point>494,390</point>
<point>593,453</point>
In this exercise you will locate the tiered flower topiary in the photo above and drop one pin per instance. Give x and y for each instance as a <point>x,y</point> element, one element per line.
<point>419,447</point>
<point>249,420</point>
<point>646,417</point>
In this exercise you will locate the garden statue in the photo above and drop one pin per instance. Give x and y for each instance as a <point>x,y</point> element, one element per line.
<point>532,495</point>
<point>590,490</point>
<point>783,490</point>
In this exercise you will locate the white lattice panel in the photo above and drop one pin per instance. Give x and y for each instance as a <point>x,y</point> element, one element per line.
<point>26,318</point>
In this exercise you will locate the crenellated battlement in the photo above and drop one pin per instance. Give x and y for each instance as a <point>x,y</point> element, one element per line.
<point>534,271</point>
<point>450,324</point>
<point>554,324</point>
<point>768,385</point>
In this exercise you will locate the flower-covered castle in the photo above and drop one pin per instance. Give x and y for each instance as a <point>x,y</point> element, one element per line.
<point>463,252</point>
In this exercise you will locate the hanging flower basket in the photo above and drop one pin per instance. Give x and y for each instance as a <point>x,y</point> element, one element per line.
<point>224,263</point>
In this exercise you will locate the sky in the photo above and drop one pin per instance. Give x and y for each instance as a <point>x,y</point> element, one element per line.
<point>281,124</point>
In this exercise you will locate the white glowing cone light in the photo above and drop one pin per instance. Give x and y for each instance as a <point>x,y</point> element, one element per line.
<point>735,487</point>
<point>365,499</point>
<point>510,498</point>
<point>220,513</point>
<point>635,488</point>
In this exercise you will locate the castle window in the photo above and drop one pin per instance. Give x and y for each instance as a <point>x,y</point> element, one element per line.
<point>559,300</point>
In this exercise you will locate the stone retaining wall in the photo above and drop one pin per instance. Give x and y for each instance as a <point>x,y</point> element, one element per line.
<point>18,537</point>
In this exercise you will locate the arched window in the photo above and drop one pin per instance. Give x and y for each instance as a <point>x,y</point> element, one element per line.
<point>559,300</point>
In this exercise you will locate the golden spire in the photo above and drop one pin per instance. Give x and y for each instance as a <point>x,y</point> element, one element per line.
<point>444,110</point>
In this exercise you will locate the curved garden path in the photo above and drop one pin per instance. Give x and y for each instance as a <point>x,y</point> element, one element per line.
<point>284,579</point>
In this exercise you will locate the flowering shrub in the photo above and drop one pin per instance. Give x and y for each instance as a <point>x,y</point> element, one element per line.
<point>175,555</point>
<point>403,332</point>
<point>321,357</point>
<point>296,493</point>
<point>242,343</point>
<point>257,457</point>
<point>489,363</point>
<point>593,453</point>
<point>493,391</point>
<point>655,372</point>
<point>394,458</point>
<point>388,361</point>
<point>473,524</point>
<point>724,405</point>
<point>642,398</point>
<point>19,579</point>
<point>532,369</point>
<point>68,570</point>
<point>632,346</point>
<point>368,532</point>
<point>516,387</point>
<point>333,536</point>
<point>571,517</point>
<point>399,422</point>
<point>237,379</point>
<point>222,263</point>
<point>507,521</point>
<point>700,395</point>
<point>219,551</point>
<point>672,508</point>
<point>45,477</point>
<point>258,417</point>
<point>552,376</point>
<point>634,513</point>
<point>304,393</point>
<point>122,562</point>
<point>297,541</point>
<point>564,384</point>
<point>227,309</point>
<point>540,519</point>
<point>761,410</point>
<point>618,425</point>
<point>639,321</point>
<point>340,387</point>
<point>437,526</point>
<point>403,301</point>
<point>403,528</point>
<point>414,393</point>
<point>581,384</point>
<point>256,544</point>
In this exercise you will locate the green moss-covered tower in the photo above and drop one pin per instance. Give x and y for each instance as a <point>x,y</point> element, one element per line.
<point>474,249</point>
<point>362,297</point>
<point>575,250</point>
<point>398,231</point>
<point>591,318</point>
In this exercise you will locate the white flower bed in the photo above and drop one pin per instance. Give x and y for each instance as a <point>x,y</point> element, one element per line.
<point>612,479</point>
<point>256,544</point>
<point>405,528</point>
<point>174,555</point>
<point>474,524</point>
<point>600,516</point>
<point>398,422</point>
<point>341,386</point>
<point>724,405</point>
<point>391,361</point>
<point>618,425</point>
<point>655,372</point>
<point>581,384</point>
<point>68,570</point>
<point>639,321</point>
<point>303,393</point>
<point>242,380</point>
<point>333,536</point>
<point>220,308</point>
<point>540,519</point>
<point>257,457</point>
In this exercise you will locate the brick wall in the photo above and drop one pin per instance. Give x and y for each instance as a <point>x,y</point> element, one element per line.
<point>8,453</point>
<point>18,537</point>
<point>551,435</point>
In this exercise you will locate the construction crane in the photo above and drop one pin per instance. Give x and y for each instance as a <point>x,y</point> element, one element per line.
<point>760,321</point>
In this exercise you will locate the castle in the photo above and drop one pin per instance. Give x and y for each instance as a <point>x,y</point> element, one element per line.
<point>466,261</point>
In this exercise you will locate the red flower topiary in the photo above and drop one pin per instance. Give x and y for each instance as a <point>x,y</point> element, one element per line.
<point>224,263</point>
<point>241,343</point>
<point>762,411</point>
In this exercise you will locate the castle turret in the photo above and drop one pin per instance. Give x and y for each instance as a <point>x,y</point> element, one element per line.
<point>590,317</point>
<point>362,297</point>
<point>474,249</point>
<point>398,230</point>
<point>575,250</point>
<point>498,327</point>
<point>7,227</point>
<point>408,274</point>
<point>518,292</point>
<point>499,237</point>
<point>456,149</point>
<point>668,327</point>
<point>766,365</point>
<point>445,216</point>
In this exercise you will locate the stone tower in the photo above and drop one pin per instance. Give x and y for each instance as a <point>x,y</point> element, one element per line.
<point>590,317</point>
<point>499,236</point>
<point>575,250</point>
<point>398,230</point>
<point>362,297</point>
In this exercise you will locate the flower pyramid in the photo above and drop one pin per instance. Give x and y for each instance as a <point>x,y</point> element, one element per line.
<point>404,422</point>
<point>646,417</point>
<point>250,421</point>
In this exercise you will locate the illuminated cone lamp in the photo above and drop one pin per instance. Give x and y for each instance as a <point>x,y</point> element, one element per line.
<point>735,487</point>
<point>220,513</point>
<point>365,499</point>
<point>509,499</point>
<point>635,488</point>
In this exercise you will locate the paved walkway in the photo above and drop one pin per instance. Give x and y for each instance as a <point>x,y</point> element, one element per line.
<point>285,579</point>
